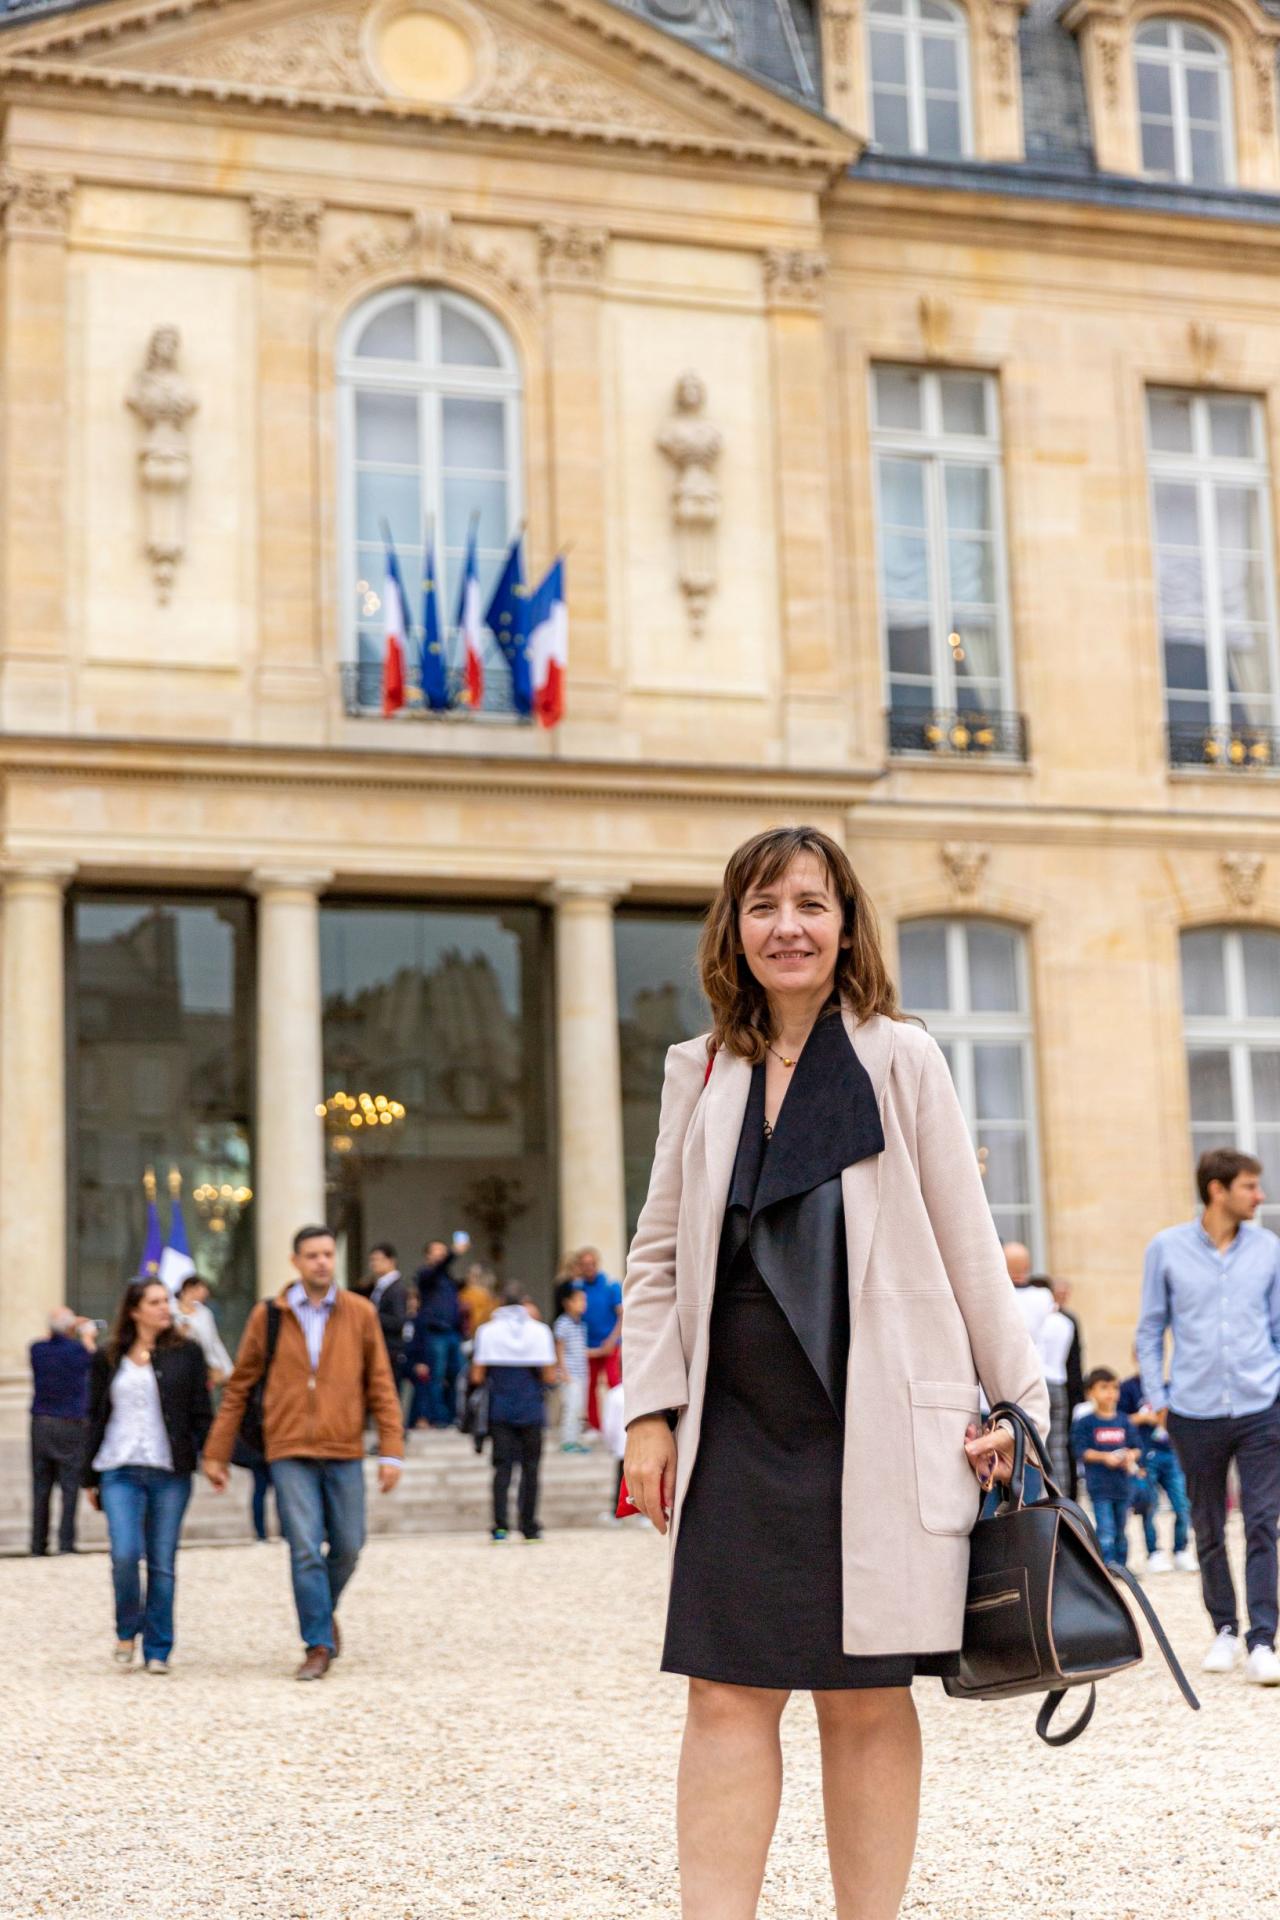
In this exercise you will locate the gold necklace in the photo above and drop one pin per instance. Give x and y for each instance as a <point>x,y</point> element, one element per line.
<point>779,1056</point>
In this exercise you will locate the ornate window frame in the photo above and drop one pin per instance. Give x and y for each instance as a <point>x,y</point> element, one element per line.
<point>1106,31</point>
<point>995,73</point>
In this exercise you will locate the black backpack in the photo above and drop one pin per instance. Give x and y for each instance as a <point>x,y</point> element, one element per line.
<point>250,1448</point>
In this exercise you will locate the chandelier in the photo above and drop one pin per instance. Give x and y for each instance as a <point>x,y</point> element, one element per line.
<point>349,1117</point>
<point>220,1207</point>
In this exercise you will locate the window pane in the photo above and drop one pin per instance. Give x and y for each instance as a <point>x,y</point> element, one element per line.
<point>387,428</point>
<point>906,566</point>
<point>934,10</point>
<point>474,435</point>
<point>659,1003</point>
<point>891,125</point>
<point>964,403</point>
<point>1194,41</point>
<point>1169,415</point>
<point>898,398</point>
<point>909,648</point>
<point>1186,663</point>
<point>1006,1178</point>
<point>1264,1064</point>
<point>941,62</point>
<point>997,1081</point>
<point>1181,578</point>
<point>922,952</point>
<point>1154,34</point>
<point>1177,514</point>
<point>1209,1072</point>
<point>463,342</point>
<point>968,498</point>
<point>1231,428</point>
<point>976,661</point>
<point>390,335</point>
<point>1155,88</point>
<point>1249,673</point>
<point>893,8</point>
<point>889,58</point>
<point>972,564</point>
<point>1244,589</point>
<point>1262,975</point>
<point>911,698</point>
<point>1204,976</point>
<point>391,497</point>
<point>902,492</point>
<point>993,969</point>
<point>1239,517</point>
<point>1157,149</point>
<point>1203,97</point>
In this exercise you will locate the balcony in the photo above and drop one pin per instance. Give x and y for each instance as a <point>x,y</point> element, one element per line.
<point>1239,749</point>
<point>957,733</point>
<point>362,694</point>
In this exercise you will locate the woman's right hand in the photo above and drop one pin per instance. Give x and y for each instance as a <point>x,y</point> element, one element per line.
<point>650,1467</point>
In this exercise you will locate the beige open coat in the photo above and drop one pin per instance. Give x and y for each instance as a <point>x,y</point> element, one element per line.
<point>931,1308</point>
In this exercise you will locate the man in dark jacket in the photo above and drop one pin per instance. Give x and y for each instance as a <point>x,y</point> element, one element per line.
<point>437,1331</point>
<point>389,1295</point>
<point>60,1369</point>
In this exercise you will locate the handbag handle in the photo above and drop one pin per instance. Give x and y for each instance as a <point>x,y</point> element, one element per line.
<point>1024,1431</point>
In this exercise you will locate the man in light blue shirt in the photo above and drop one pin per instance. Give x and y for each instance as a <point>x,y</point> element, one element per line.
<point>1215,1285</point>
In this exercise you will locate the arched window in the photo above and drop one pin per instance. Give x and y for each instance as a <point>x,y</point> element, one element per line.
<point>1184,103</point>
<point>1231,1024</point>
<point>918,52</point>
<point>429,398</point>
<point>968,980</point>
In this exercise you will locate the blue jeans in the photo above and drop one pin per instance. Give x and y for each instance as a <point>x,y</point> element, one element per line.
<point>319,1502</point>
<point>144,1508</point>
<point>1109,1518</point>
<point>444,1357</point>
<point>1162,1470</point>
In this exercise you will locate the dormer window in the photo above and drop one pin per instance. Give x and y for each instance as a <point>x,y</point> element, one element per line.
<point>919,63</point>
<point>1184,103</point>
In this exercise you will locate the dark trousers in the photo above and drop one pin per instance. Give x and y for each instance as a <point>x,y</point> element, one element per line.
<point>1206,1449</point>
<point>258,1503</point>
<point>514,1446</point>
<point>57,1455</point>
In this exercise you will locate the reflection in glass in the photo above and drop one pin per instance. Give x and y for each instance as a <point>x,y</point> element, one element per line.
<point>160,1075</point>
<point>659,1003</point>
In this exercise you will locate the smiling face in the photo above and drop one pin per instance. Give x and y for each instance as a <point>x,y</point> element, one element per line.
<point>791,930</point>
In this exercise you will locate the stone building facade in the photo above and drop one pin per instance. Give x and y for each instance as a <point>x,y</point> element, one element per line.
<point>900,376</point>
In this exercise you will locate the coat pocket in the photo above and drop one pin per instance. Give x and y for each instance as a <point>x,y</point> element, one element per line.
<point>946,1486</point>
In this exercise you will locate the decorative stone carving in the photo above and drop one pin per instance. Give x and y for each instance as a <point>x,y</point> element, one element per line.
<point>1110,60</point>
<point>531,81</point>
<point>693,447</point>
<point>573,256</point>
<point>839,24</point>
<point>36,206</point>
<point>965,862</point>
<point>285,229</point>
<point>1264,73</point>
<point>1205,343</point>
<point>311,53</point>
<point>423,245</point>
<point>1242,877</point>
<point>794,277</point>
<point>1002,42</point>
<point>935,317</point>
<point>164,403</point>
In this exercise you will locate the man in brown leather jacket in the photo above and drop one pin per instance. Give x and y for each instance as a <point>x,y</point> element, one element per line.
<point>328,1370</point>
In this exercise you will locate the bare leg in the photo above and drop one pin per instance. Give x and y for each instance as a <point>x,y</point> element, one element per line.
<point>727,1800</point>
<point>871,1796</point>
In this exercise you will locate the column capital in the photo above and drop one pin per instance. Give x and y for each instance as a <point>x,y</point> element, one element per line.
<point>569,894</point>
<point>310,881</point>
<point>36,876</point>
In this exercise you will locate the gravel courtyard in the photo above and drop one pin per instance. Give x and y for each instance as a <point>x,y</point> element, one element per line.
<point>496,1742</point>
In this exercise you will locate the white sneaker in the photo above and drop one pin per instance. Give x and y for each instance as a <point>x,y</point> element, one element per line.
<point>1159,1563</point>
<point>1223,1654</point>
<point>1185,1562</point>
<point>162,1666</point>
<point>1263,1668</point>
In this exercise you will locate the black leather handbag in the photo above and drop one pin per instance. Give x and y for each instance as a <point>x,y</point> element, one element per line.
<point>1043,1608</point>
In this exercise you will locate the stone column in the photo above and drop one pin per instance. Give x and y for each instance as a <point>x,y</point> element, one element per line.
<point>573,269</point>
<point>794,279</point>
<point>593,1207</point>
<point>288,1147</point>
<point>36,689</point>
<point>33,1122</point>
<point>292,695</point>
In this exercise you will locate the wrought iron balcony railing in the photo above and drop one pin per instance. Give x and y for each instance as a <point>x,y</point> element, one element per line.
<point>1238,749</point>
<point>958,733</point>
<point>362,693</point>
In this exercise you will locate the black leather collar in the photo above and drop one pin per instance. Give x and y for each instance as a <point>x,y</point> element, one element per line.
<point>828,1121</point>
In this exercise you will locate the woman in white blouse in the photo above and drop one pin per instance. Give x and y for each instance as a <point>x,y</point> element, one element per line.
<point>149,1413</point>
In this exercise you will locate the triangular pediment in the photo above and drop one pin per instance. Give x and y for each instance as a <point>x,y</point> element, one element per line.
<point>583,68</point>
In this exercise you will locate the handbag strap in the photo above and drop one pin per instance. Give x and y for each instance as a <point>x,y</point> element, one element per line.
<point>1065,1735</point>
<point>1157,1632</point>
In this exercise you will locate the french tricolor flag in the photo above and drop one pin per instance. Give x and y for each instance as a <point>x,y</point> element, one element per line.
<point>471,623</point>
<point>549,645</point>
<point>395,628</point>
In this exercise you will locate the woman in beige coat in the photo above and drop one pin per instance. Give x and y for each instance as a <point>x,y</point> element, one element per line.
<point>813,1294</point>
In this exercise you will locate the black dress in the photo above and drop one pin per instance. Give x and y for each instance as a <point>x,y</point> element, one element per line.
<point>756,1590</point>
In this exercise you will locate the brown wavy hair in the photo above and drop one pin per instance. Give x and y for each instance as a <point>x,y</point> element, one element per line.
<point>124,1331</point>
<point>740,1016</point>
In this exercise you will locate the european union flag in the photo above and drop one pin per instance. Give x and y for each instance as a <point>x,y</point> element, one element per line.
<point>507,618</point>
<point>435,665</point>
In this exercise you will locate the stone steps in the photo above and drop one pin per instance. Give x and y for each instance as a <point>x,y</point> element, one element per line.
<point>445,1488</point>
